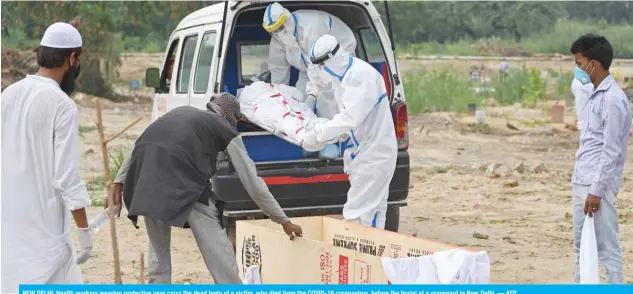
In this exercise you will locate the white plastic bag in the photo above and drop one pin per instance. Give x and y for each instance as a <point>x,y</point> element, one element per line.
<point>456,266</point>
<point>589,272</point>
<point>276,108</point>
<point>251,276</point>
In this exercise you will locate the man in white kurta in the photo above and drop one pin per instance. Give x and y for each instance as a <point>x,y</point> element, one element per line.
<point>41,181</point>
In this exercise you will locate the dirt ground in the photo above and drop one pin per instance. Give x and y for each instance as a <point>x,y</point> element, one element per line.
<point>523,220</point>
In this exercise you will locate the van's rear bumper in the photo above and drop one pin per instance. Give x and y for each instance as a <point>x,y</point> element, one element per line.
<point>302,186</point>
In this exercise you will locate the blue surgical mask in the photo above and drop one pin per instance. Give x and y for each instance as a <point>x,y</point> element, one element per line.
<point>582,76</point>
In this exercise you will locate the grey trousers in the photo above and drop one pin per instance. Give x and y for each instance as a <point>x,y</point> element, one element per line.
<point>607,236</point>
<point>214,245</point>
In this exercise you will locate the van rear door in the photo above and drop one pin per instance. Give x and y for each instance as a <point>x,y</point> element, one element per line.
<point>224,37</point>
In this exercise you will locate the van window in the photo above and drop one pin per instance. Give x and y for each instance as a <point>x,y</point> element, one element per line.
<point>372,45</point>
<point>253,61</point>
<point>205,57</point>
<point>168,67</point>
<point>186,62</point>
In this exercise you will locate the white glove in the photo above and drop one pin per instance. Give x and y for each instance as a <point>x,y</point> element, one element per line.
<point>311,125</point>
<point>310,142</point>
<point>310,101</point>
<point>85,242</point>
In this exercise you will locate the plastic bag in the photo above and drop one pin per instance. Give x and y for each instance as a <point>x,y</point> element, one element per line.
<point>252,276</point>
<point>276,108</point>
<point>589,272</point>
<point>456,266</point>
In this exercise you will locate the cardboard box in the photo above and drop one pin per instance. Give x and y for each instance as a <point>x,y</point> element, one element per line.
<point>331,251</point>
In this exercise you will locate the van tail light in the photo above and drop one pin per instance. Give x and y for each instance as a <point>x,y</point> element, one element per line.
<point>385,76</point>
<point>401,122</point>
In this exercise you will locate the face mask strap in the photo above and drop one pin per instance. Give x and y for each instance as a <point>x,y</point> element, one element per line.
<point>594,67</point>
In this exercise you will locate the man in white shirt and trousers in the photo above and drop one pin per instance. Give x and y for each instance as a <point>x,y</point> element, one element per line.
<point>41,179</point>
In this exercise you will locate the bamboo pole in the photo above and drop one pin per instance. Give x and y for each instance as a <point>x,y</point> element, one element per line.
<point>109,192</point>
<point>141,276</point>
<point>110,196</point>
<point>124,130</point>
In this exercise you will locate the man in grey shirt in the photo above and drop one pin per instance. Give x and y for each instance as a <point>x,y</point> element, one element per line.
<point>601,156</point>
<point>166,179</point>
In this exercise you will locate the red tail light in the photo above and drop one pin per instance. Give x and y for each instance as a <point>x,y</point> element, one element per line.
<point>385,76</point>
<point>401,121</point>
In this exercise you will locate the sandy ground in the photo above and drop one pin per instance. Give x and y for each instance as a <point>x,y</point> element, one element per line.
<point>187,261</point>
<point>526,217</point>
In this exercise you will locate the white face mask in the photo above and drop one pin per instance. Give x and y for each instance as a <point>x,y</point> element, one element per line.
<point>285,36</point>
<point>289,41</point>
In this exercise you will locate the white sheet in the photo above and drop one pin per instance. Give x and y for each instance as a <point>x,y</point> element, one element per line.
<point>455,266</point>
<point>279,108</point>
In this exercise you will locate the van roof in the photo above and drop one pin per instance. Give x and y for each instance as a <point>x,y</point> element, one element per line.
<point>209,14</point>
<point>214,13</point>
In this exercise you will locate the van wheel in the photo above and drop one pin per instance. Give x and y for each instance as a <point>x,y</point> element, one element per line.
<point>393,218</point>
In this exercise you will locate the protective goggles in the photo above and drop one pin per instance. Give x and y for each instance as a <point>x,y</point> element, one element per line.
<point>321,59</point>
<point>278,31</point>
<point>277,25</point>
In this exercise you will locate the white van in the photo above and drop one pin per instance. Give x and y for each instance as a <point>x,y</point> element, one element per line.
<point>220,48</point>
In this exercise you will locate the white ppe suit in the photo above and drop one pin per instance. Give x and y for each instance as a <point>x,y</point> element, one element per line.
<point>293,35</point>
<point>365,117</point>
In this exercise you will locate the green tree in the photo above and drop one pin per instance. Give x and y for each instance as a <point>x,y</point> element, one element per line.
<point>107,28</point>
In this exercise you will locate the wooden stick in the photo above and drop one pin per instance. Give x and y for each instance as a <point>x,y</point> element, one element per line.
<point>141,277</point>
<point>109,196</point>
<point>124,130</point>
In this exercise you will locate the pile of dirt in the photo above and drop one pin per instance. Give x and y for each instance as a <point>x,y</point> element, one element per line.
<point>16,65</point>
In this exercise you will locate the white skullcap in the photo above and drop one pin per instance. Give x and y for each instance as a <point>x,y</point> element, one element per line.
<point>61,35</point>
<point>323,45</point>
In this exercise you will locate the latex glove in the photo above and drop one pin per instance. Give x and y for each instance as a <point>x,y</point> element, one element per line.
<point>311,125</point>
<point>85,242</point>
<point>310,142</point>
<point>310,101</point>
<point>330,151</point>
